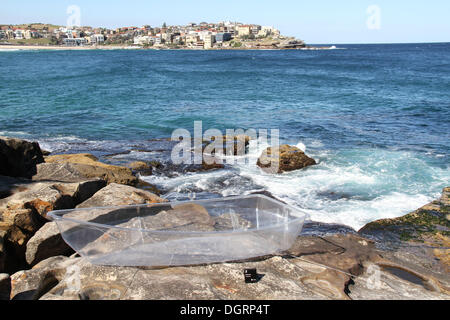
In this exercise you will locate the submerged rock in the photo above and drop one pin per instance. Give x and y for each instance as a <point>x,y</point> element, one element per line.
<point>236,143</point>
<point>18,158</point>
<point>288,158</point>
<point>141,167</point>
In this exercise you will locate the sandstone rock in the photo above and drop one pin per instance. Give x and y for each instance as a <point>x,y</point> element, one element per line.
<point>418,241</point>
<point>32,284</point>
<point>288,158</point>
<point>238,144</point>
<point>148,187</point>
<point>5,286</point>
<point>426,227</point>
<point>85,158</point>
<point>281,277</point>
<point>143,168</point>
<point>43,197</point>
<point>18,158</point>
<point>186,217</point>
<point>344,252</point>
<point>330,283</point>
<point>209,163</point>
<point>118,195</point>
<point>228,222</point>
<point>76,167</point>
<point>46,242</point>
<point>24,212</point>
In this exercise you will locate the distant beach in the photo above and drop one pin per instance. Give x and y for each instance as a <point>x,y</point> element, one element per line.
<point>31,47</point>
<point>4,47</point>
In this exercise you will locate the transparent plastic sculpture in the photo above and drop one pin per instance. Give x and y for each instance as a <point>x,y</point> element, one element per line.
<point>181,232</point>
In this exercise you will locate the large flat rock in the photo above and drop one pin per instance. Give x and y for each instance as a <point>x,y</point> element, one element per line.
<point>78,167</point>
<point>118,195</point>
<point>294,275</point>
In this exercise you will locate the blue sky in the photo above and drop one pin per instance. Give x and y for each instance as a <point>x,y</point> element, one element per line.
<point>318,21</point>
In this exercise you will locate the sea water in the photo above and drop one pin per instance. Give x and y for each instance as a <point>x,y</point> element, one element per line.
<point>375,117</point>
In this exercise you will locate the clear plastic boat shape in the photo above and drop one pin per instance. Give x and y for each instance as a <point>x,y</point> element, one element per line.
<point>182,232</point>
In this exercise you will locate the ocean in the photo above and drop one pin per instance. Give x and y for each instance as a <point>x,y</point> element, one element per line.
<point>375,117</point>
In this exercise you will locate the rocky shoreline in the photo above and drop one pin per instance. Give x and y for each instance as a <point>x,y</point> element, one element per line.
<point>402,258</point>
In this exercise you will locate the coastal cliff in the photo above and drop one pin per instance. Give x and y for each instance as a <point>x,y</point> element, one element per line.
<point>403,258</point>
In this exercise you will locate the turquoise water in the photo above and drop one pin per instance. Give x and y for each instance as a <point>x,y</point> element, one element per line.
<point>375,117</point>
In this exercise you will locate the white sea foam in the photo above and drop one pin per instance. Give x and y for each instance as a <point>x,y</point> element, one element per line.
<point>350,188</point>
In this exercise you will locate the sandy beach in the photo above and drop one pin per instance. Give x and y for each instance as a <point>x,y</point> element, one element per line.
<point>31,47</point>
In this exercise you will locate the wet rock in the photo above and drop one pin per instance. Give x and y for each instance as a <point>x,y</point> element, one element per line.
<point>47,242</point>
<point>288,158</point>
<point>427,227</point>
<point>5,286</point>
<point>76,167</point>
<point>314,228</point>
<point>141,167</point>
<point>144,185</point>
<point>18,158</point>
<point>237,144</point>
<point>209,165</point>
<point>155,164</point>
<point>118,195</point>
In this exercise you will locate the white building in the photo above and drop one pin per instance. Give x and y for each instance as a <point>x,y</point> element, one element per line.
<point>74,41</point>
<point>192,38</point>
<point>19,34</point>
<point>141,40</point>
<point>97,39</point>
<point>208,41</point>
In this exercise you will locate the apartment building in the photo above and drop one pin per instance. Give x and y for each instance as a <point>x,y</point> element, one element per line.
<point>208,41</point>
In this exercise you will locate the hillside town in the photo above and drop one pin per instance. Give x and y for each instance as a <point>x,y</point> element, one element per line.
<point>223,35</point>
